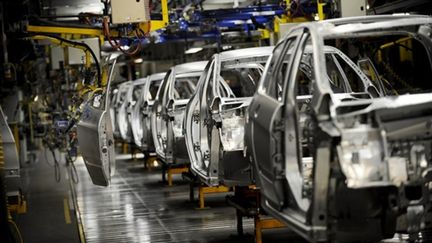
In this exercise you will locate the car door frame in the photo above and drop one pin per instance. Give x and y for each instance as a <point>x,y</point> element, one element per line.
<point>271,183</point>
<point>315,220</point>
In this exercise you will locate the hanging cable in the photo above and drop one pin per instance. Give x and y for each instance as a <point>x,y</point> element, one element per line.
<point>114,44</point>
<point>82,45</point>
<point>57,173</point>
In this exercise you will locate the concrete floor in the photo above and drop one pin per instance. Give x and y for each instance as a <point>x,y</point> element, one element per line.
<point>138,207</point>
<point>50,216</point>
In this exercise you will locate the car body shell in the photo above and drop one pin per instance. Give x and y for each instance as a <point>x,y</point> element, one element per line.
<point>213,129</point>
<point>140,118</point>
<point>126,109</point>
<point>168,111</point>
<point>119,110</point>
<point>351,167</point>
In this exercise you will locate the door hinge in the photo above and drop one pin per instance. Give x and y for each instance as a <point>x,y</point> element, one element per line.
<point>278,125</point>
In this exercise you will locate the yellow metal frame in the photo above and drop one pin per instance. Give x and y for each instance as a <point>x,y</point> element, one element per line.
<point>175,171</point>
<point>154,25</point>
<point>320,8</point>
<point>20,207</point>
<point>66,31</point>
<point>210,190</point>
<point>125,148</point>
<point>149,162</point>
<point>404,55</point>
<point>261,224</point>
<point>159,24</point>
<point>55,41</point>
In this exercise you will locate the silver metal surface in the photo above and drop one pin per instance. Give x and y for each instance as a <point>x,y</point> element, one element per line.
<point>215,116</point>
<point>368,152</point>
<point>137,207</point>
<point>175,91</point>
<point>95,135</point>
<point>125,111</point>
<point>140,118</point>
<point>122,124</point>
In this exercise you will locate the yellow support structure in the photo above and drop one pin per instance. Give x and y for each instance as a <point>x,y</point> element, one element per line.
<point>20,207</point>
<point>74,32</point>
<point>159,24</point>
<point>150,162</point>
<point>66,44</point>
<point>404,54</point>
<point>261,224</point>
<point>65,30</point>
<point>175,171</point>
<point>210,190</point>
<point>125,148</point>
<point>320,7</point>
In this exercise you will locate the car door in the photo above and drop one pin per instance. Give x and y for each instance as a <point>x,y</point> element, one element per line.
<point>158,126</point>
<point>266,126</point>
<point>199,126</point>
<point>95,136</point>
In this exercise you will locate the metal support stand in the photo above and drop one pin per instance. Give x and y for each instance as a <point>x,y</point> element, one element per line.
<point>246,201</point>
<point>193,182</point>
<point>164,171</point>
<point>261,224</point>
<point>149,162</point>
<point>125,148</point>
<point>175,171</point>
<point>210,190</point>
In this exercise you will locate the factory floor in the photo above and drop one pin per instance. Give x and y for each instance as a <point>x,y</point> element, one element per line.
<point>139,207</point>
<point>50,209</point>
<point>136,207</point>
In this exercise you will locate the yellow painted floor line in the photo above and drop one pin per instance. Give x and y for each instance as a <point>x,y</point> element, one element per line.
<point>66,211</point>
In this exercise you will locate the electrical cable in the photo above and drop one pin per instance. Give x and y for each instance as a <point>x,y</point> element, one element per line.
<point>57,173</point>
<point>87,47</point>
<point>17,231</point>
<point>114,42</point>
<point>73,172</point>
<point>46,157</point>
<point>72,169</point>
<point>66,25</point>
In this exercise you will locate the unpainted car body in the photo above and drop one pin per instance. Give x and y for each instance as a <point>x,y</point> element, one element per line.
<point>215,116</point>
<point>126,109</point>
<point>168,113</point>
<point>335,167</point>
<point>140,119</point>
<point>119,109</point>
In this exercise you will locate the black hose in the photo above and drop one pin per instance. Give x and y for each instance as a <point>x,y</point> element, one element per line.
<point>57,173</point>
<point>75,43</point>
<point>73,171</point>
<point>62,24</point>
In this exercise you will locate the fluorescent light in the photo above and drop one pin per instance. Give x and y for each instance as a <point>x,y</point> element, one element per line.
<point>36,98</point>
<point>193,50</point>
<point>226,47</point>
<point>138,60</point>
